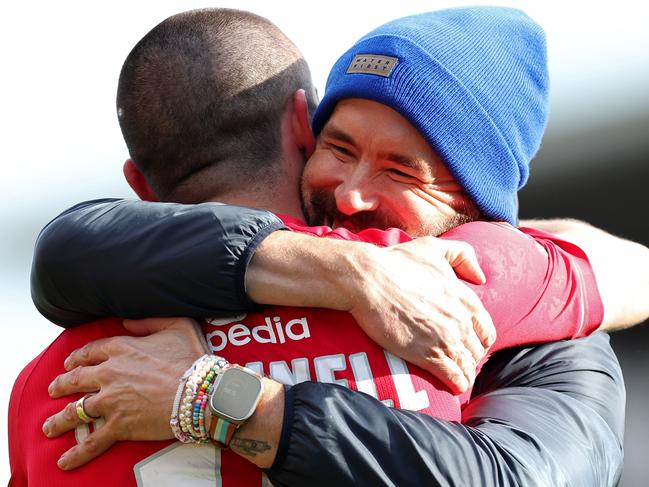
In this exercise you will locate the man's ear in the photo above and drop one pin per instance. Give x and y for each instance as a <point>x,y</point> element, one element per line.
<point>302,123</point>
<point>138,182</point>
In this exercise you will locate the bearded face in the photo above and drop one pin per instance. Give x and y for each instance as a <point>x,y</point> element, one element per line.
<point>372,169</point>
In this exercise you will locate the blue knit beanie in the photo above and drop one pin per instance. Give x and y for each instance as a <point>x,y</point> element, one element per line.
<point>473,81</point>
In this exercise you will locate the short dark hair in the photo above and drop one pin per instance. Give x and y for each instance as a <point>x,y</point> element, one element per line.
<point>200,101</point>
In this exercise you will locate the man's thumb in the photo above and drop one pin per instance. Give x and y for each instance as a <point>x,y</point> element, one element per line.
<point>464,261</point>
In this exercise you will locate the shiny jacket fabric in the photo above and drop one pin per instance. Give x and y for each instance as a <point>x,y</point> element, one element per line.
<point>103,258</point>
<point>551,415</point>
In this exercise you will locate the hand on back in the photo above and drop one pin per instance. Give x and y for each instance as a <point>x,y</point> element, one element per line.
<point>411,302</point>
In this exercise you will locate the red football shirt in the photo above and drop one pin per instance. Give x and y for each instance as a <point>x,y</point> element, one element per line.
<point>538,289</point>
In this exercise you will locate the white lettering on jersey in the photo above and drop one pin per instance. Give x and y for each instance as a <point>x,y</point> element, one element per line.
<point>298,335</point>
<point>236,333</point>
<point>267,329</point>
<point>181,464</point>
<point>256,367</point>
<point>184,465</point>
<point>364,378</point>
<point>408,397</point>
<point>327,365</point>
<point>272,331</point>
<point>200,465</point>
<point>298,372</point>
<point>226,320</point>
<point>363,374</point>
<point>278,327</point>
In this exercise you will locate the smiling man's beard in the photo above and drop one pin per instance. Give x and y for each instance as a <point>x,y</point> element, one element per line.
<point>321,209</point>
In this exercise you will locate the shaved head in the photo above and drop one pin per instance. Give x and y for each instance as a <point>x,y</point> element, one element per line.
<point>200,101</point>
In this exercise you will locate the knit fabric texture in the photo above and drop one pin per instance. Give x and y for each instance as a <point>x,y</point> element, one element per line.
<point>473,81</point>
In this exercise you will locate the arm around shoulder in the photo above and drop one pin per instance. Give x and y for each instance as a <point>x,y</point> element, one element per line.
<point>538,421</point>
<point>621,269</point>
<point>136,259</point>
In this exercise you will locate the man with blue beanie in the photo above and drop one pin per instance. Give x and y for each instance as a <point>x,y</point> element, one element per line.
<point>472,81</point>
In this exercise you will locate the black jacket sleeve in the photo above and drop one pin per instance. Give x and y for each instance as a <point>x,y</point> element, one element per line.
<point>200,271</point>
<point>552,415</point>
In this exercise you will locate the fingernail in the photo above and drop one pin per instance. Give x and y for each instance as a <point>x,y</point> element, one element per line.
<point>66,363</point>
<point>50,388</point>
<point>62,462</point>
<point>46,427</point>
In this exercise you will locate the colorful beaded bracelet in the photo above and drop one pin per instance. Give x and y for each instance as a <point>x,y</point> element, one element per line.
<point>194,382</point>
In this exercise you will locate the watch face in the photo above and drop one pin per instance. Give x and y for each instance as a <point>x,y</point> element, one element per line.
<point>235,395</point>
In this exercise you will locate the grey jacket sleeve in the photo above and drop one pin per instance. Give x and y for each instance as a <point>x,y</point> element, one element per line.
<point>200,271</point>
<point>552,415</point>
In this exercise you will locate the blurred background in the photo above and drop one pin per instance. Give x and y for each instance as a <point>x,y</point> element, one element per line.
<point>61,142</point>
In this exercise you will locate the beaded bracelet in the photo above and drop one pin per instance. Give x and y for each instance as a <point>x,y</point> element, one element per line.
<point>173,422</point>
<point>190,411</point>
<point>198,418</point>
<point>191,390</point>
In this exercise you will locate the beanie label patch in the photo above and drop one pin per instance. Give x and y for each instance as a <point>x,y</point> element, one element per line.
<point>375,64</point>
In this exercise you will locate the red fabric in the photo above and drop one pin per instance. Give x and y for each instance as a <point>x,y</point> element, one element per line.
<point>538,289</point>
<point>555,292</point>
<point>33,457</point>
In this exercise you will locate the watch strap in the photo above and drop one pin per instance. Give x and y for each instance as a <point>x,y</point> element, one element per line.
<point>222,431</point>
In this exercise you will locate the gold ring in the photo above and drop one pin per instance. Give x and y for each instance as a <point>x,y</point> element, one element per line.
<point>81,412</point>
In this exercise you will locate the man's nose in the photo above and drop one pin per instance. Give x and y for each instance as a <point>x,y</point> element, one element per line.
<point>355,195</point>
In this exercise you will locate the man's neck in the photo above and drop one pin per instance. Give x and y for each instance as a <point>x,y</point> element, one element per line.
<point>276,202</point>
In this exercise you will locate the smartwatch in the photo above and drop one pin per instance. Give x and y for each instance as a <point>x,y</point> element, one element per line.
<point>234,398</point>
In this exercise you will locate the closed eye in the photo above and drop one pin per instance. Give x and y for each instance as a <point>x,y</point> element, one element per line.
<point>397,172</point>
<point>341,150</point>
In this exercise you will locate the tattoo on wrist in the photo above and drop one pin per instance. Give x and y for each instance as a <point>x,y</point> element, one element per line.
<point>249,446</point>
